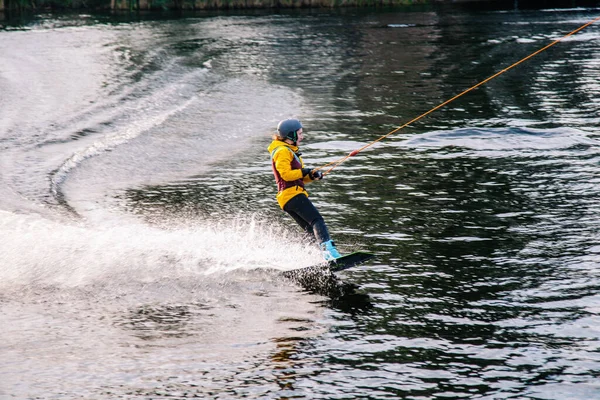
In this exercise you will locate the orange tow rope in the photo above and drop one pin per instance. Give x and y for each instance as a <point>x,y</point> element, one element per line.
<point>334,164</point>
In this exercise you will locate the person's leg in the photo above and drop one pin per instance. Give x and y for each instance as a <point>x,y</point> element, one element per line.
<point>306,227</point>
<point>305,214</point>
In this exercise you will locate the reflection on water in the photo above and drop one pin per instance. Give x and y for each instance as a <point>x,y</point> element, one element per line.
<point>483,215</point>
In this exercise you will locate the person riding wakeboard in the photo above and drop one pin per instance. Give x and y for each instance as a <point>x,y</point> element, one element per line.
<point>291,175</point>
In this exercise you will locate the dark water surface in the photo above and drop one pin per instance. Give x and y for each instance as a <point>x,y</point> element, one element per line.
<point>139,230</point>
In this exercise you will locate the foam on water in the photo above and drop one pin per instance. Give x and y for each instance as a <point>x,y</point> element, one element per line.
<point>113,140</point>
<point>500,142</point>
<point>41,253</point>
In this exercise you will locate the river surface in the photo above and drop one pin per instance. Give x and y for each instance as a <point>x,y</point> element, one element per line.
<point>140,239</point>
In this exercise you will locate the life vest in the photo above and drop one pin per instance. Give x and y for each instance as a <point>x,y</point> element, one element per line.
<point>282,184</point>
<point>294,186</point>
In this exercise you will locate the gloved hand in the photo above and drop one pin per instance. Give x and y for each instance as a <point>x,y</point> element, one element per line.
<point>312,174</point>
<point>316,175</point>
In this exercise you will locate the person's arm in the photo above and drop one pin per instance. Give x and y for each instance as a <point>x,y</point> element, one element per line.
<point>283,164</point>
<point>310,175</point>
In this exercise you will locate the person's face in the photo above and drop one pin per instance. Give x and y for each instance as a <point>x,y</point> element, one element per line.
<point>300,136</point>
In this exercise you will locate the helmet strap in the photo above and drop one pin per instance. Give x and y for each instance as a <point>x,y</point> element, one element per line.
<point>294,137</point>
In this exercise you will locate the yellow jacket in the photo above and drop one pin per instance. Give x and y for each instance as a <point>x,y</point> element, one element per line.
<point>287,168</point>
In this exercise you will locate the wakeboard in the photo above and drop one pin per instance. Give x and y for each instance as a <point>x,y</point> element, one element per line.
<point>320,278</point>
<point>349,260</point>
<point>336,265</point>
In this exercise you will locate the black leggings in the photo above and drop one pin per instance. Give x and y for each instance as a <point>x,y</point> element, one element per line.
<point>307,216</point>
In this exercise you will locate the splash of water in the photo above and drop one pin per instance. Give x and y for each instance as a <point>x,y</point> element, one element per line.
<point>37,252</point>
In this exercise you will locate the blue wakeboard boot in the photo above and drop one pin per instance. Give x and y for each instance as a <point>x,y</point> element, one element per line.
<point>329,251</point>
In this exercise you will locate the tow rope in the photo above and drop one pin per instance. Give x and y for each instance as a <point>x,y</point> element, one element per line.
<point>334,164</point>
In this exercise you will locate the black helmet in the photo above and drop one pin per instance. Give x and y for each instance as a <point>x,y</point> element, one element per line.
<point>288,129</point>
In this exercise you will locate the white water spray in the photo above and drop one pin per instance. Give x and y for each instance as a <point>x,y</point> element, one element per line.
<point>40,252</point>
